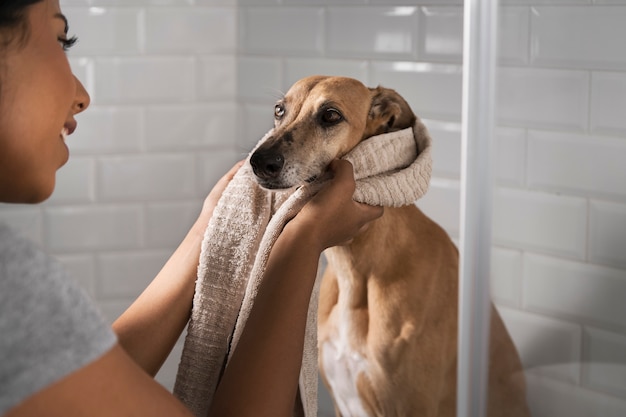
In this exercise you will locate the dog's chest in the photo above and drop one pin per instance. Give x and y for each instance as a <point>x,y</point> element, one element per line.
<point>343,365</point>
<point>342,362</point>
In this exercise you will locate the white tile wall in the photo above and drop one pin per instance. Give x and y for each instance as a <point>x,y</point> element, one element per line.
<point>549,223</point>
<point>543,98</point>
<point>607,233</point>
<point>182,31</point>
<point>146,177</point>
<point>366,32</point>
<point>578,171</point>
<point>589,293</point>
<point>144,80</point>
<point>587,37</point>
<point>284,30</point>
<point>182,89</point>
<point>605,361</point>
<point>608,101</point>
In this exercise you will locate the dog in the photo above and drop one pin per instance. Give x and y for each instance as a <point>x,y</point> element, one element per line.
<point>387,315</point>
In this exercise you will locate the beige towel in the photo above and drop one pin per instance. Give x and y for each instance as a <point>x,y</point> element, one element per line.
<point>391,170</point>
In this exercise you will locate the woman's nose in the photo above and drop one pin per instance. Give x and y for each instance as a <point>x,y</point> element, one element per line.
<point>82,97</point>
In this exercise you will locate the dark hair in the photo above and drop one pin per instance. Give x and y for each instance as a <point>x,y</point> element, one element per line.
<point>12,20</point>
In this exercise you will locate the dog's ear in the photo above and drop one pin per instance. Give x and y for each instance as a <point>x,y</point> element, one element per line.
<point>388,112</point>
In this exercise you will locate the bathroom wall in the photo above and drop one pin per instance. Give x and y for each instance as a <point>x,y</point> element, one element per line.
<point>559,226</point>
<point>181,89</point>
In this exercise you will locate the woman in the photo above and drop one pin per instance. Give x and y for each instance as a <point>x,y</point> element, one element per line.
<point>57,355</point>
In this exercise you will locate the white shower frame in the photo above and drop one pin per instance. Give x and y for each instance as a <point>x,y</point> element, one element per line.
<point>479,74</point>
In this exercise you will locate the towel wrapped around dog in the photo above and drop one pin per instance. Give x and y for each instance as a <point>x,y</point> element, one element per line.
<point>392,170</point>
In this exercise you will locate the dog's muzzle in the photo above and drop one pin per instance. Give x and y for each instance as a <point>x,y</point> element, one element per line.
<point>267,164</point>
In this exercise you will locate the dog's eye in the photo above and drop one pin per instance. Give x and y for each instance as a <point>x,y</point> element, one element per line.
<point>279,111</point>
<point>331,116</point>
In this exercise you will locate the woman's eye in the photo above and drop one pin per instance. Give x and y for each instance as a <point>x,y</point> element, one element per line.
<point>331,116</point>
<point>279,111</point>
<point>67,43</point>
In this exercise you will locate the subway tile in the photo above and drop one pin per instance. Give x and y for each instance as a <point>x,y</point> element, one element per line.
<point>433,91</point>
<point>510,156</point>
<point>260,119</point>
<point>211,2</point>
<point>440,37</point>
<point>83,228</point>
<point>259,2</point>
<point>188,30</point>
<point>604,358</point>
<point>25,220</point>
<point>144,80</point>
<point>104,30</point>
<point>513,35</point>
<point>136,2</point>
<point>322,2</point>
<point>82,68</point>
<point>441,203</point>
<point>283,30</point>
<point>260,79</point>
<point>369,32</point>
<point>546,2</point>
<point>587,37</point>
<point>546,346</point>
<point>549,398</point>
<point>212,166</point>
<point>536,97</point>
<point>588,293</point>
<point>127,274</point>
<point>75,182</point>
<point>166,224</point>
<point>146,177</point>
<point>446,146</point>
<point>510,152</point>
<point>573,162</point>
<point>506,276</point>
<point>608,101</point>
<point>217,74</point>
<point>607,233</point>
<point>107,129</point>
<point>297,68</point>
<point>187,127</point>
<point>81,268</point>
<point>413,2</point>
<point>553,224</point>
<point>112,308</point>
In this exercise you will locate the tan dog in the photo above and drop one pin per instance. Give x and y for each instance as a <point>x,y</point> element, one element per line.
<point>387,323</point>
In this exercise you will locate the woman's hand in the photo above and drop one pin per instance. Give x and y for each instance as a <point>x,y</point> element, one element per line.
<point>332,217</point>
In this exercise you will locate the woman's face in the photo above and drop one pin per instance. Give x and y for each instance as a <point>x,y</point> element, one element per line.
<point>39,97</point>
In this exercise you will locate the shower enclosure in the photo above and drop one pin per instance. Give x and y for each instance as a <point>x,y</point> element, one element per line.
<point>529,132</point>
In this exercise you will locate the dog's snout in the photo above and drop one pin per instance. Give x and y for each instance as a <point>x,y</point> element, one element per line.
<point>267,164</point>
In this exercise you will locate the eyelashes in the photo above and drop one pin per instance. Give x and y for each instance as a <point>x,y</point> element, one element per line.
<point>68,43</point>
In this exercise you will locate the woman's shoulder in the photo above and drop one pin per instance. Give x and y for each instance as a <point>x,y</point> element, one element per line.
<point>49,326</point>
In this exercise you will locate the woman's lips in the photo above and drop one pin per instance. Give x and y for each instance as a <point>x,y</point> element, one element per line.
<point>68,128</point>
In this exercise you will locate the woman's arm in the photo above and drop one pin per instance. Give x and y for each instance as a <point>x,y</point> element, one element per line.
<point>262,376</point>
<point>150,327</point>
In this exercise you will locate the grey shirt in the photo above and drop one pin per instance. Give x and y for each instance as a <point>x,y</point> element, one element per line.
<point>48,326</point>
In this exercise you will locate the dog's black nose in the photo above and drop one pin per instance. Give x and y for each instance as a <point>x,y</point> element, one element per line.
<point>267,164</point>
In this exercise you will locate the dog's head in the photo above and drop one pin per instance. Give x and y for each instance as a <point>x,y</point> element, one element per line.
<point>322,118</point>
